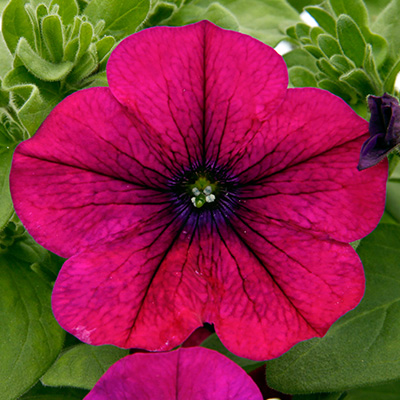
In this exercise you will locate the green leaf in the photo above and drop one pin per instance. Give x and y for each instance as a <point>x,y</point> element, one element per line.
<point>291,32</point>
<point>393,194</point>
<point>388,391</point>
<point>31,339</point>
<point>121,17</point>
<point>213,343</point>
<point>319,396</point>
<point>67,10</point>
<point>338,88</point>
<point>302,77</point>
<point>40,392</point>
<point>40,67</point>
<point>387,25</point>
<point>391,78</point>
<point>329,45</point>
<point>371,70</point>
<point>300,4</point>
<point>16,24</point>
<point>324,19</point>
<point>39,97</point>
<point>82,366</point>
<point>375,8</point>
<point>85,38</point>
<point>265,20</point>
<point>315,32</point>
<point>362,347</point>
<point>355,9</point>
<point>302,30</point>
<point>4,97</point>
<point>6,57</point>
<point>160,12</point>
<point>221,16</point>
<point>6,205</point>
<point>86,65</point>
<point>314,50</point>
<point>300,57</point>
<point>328,69</point>
<point>342,63</point>
<point>52,33</point>
<point>361,82</point>
<point>104,46</point>
<point>71,50</point>
<point>351,40</point>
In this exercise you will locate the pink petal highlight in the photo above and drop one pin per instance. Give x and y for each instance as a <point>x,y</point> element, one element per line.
<point>185,374</point>
<point>303,169</point>
<point>86,167</point>
<point>215,86</point>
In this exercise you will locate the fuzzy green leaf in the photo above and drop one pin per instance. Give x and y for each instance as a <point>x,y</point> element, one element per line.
<point>302,77</point>
<point>351,39</point>
<point>67,9</point>
<point>302,30</point>
<point>121,17</point>
<point>53,38</point>
<point>362,347</point>
<point>328,69</point>
<point>85,38</point>
<point>40,67</point>
<point>338,88</point>
<point>82,366</point>
<point>361,82</point>
<point>162,11</point>
<point>324,19</point>
<point>355,9</point>
<point>263,19</point>
<point>314,51</point>
<point>329,45</point>
<point>315,32</point>
<point>39,97</point>
<point>342,63</point>
<point>300,57</point>
<point>16,24</point>
<point>6,205</point>
<point>387,25</point>
<point>104,46</point>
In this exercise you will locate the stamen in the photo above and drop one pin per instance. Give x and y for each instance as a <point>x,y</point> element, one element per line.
<point>196,191</point>
<point>210,198</point>
<point>207,190</point>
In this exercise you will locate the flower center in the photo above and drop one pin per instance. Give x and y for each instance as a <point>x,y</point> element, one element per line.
<point>204,189</point>
<point>202,192</point>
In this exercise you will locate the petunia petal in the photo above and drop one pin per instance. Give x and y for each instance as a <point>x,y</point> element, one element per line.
<point>303,168</point>
<point>136,291</point>
<point>185,374</point>
<point>213,88</point>
<point>258,286</point>
<point>85,168</point>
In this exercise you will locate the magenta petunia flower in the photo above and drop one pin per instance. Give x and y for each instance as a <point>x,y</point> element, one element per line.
<point>198,188</point>
<point>185,374</point>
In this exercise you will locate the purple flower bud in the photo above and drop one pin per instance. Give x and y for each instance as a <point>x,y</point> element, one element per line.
<point>384,129</point>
